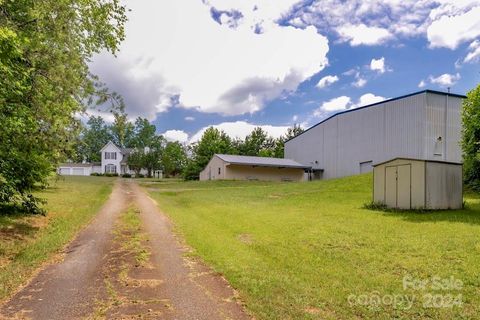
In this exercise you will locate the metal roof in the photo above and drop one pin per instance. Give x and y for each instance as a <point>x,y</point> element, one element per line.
<point>414,159</point>
<point>380,102</point>
<point>261,161</point>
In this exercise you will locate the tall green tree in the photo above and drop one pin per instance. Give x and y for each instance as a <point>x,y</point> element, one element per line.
<point>174,158</point>
<point>292,132</point>
<point>212,141</point>
<point>144,133</point>
<point>93,138</point>
<point>44,82</point>
<point>135,161</point>
<point>257,143</point>
<point>122,130</point>
<point>471,138</point>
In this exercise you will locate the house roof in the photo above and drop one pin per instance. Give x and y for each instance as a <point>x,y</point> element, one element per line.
<point>377,103</point>
<point>261,161</point>
<point>126,151</point>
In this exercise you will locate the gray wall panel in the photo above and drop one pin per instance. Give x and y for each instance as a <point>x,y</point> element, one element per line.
<point>406,127</point>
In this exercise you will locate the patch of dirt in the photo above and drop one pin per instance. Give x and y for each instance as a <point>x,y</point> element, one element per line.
<point>132,289</point>
<point>245,238</point>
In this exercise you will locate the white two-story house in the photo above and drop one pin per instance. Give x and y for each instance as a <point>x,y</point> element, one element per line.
<point>113,160</point>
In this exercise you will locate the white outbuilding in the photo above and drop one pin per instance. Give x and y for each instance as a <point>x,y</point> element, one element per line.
<point>418,184</point>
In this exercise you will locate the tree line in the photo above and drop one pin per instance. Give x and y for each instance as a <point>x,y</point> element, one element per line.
<point>174,158</point>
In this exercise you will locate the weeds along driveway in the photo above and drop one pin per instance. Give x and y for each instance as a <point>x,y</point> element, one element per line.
<point>126,264</point>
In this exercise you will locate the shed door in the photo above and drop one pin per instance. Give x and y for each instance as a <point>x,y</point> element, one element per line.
<point>403,187</point>
<point>391,186</point>
<point>398,186</point>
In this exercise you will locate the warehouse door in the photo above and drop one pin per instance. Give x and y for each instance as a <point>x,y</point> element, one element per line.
<point>398,186</point>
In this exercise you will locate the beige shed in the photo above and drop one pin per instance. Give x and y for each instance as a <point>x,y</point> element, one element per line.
<point>234,167</point>
<point>418,184</point>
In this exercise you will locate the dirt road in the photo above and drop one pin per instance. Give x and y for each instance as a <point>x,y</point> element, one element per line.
<point>115,270</point>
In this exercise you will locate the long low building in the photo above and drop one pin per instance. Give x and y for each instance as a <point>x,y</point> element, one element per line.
<point>233,167</point>
<point>422,125</point>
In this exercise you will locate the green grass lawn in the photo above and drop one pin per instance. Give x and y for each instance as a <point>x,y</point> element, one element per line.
<point>310,251</point>
<point>28,241</point>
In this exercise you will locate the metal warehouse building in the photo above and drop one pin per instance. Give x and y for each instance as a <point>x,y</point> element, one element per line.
<point>422,125</point>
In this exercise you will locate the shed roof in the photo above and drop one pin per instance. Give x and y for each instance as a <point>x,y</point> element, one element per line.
<point>413,159</point>
<point>261,161</point>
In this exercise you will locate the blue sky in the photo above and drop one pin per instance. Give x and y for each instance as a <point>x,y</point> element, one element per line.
<point>187,65</point>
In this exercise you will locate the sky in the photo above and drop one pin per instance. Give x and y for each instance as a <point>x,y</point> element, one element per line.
<point>190,64</point>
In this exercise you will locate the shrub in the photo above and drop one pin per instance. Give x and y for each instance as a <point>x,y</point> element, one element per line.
<point>95,174</point>
<point>111,174</point>
<point>140,175</point>
<point>126,175</point>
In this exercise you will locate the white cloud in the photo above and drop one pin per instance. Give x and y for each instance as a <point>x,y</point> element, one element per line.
<point>378,65</point>
<point>335,104</point>
<point>213,67</point>
<point>240,129</point>
<point>343,103</point>
<point>360,82</point>
<point>454,28</point>
<point>474,52</point>
<point>326,81</point>
<point>363,35</point>
<point>422,84</point>
<point>295,118</point>
<point>445,23</point>
<point>176,135</point>
<point>368,98</point>
<point>189,119</point>
<point>445,79</point>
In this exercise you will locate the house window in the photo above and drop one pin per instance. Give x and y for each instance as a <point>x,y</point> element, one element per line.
<point>111,155</point>
<point>219,170</point>
<point>110,168</point>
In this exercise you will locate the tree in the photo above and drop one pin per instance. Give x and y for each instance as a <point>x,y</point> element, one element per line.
<point>92,139</point>
<point>257,143</point>
<point>135,161</point>
<point>44,82</point>
<point>144,133</point>
<point>174,158</point>
<point>212,141</point>
<point>292,132</point>
<point>152,161</point>
<point>122,130</point>
<point>471,138</point>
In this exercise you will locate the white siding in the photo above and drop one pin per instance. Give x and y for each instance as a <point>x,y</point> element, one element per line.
<point>406,127</point>
<point>110,147</point>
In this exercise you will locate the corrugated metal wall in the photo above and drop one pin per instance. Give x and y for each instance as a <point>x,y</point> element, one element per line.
<point>407,127</point>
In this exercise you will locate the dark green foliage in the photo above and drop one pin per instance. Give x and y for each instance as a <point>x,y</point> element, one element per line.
<point>126,175</point>
<point>213,141</point>
<point>92,139</point>
<point>471,138</point>
<point>174,158</point>
<point>44,82</point>
<point>122,130</point>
